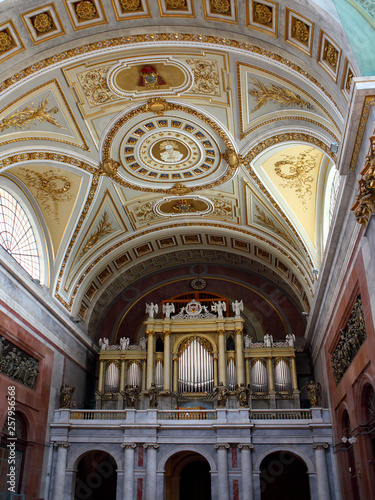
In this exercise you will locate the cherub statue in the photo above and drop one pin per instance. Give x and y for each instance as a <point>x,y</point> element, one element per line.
<point>168,308</point>
<point>237,307</point>
<point>103,343</point>
<point>152,309</point>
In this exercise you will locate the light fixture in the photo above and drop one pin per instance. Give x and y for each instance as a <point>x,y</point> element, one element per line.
<point>334,147</point>
<point>351,439</point>
<point>316,271</point>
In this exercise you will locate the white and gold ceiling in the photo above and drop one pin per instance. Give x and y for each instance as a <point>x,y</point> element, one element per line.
<point>138,128</point>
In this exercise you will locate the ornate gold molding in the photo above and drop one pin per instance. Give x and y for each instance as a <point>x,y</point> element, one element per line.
<point>22,118</point>
<point>369,101</point>
<point>365,204</point>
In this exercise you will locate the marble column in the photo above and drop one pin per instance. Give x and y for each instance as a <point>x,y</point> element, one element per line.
<point>60,470</point>
<point>167,361</point>
<point>294,374</point>
<point>150,490</point>
<point>150,359</point>
<point>144,374</point>
<point>239,356</point>
<point>128,482</point>
<point>246,471</point>
<point>222,360</point>
<point>122,376</point>
<point>222,471</point>
<point>321,470</point>
<point>101,377</point>
<point>216,382</point>
<point>271,382</point>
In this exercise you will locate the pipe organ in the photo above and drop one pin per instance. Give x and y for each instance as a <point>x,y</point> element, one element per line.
<point>190,353</point>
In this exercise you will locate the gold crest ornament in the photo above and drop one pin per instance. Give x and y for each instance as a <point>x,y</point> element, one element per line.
<point>150,78</point>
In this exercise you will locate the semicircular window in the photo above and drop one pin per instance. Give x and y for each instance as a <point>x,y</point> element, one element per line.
<point>16,234</point>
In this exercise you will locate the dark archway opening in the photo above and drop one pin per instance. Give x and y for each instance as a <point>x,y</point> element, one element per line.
<point>284,476</point>
<point>188,477</point>
<point>96,477</point>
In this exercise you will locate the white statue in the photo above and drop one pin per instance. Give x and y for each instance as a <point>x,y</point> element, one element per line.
<point>268,340</point>
<point>219,307</point>
<point>290,339</point>
<point>124,343</point>
<point>152,309</point>
<point>168,308</point>
<point>247,340</point>
<point>237,307</point>
<point>103,343</point>
<point>143,343</point>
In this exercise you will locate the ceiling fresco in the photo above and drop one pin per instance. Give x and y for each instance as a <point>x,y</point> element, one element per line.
<point>148,133</point>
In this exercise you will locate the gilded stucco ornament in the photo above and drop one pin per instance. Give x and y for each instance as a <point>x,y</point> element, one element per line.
<point>109,168</point>
<point>42,22</point>
<point>103,229</point>
<point>22,118</point>
<point>233,159</point>
<point>365,204</point>
<point>263,14</point>
<point>301,31</point>
<point>178,189</point>
<point>157,105</point>
<point>5,41</point>
<point>176,4</point>
<point>331,55</point>
<point>222,6</point>
<point>85,10</point>
<point>279,95</point>
<point>130,5</point>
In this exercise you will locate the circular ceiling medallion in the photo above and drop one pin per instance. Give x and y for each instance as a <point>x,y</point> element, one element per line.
<point>168,150</point>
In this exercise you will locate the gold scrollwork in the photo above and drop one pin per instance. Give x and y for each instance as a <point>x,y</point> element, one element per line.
<point>23,117</point>
<point>280,95</point>
<point>206,76</point>
<point>233,159</point>
<point>157,105</point>
<point>109,167</point>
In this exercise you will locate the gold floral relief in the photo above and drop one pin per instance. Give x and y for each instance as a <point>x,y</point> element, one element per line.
<point>51,188</point>
<point>43,23</point>
<point>130,5</point>
<point>22,118</point>
<point>6,41</point>
<point>145,212</point>
<point>331,54</point>
<point>221,6</point>
<point>85,10</point>
<point>272,93</point>
<point>103,229</point>
<point>301,31</point>
<point>176,4</point>
<point>262,13</point>
<point>206,76</point>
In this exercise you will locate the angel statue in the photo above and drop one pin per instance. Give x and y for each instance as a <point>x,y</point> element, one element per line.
<point>290,339</point>
<point>152,309</point>
<point>268,340</point>
<point>221,392</point>
<point>313,392</point>
<point>219,307</point>
<point>243,393</point>
<point>103,343</point>
<point>168,308</point>
<point>124,343</point>
<point>237,307</point>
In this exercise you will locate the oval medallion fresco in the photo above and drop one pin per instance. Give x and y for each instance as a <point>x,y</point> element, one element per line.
<point>143,77</point>
<point>186,205</point>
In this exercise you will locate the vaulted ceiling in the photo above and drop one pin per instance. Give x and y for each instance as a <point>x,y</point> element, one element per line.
<point>144,135</point>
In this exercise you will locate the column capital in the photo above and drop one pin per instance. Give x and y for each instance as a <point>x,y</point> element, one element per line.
<point>166,333</point>
<point>221,332</point>
<point>150,333</point>
<point>150,446</point>
<point>247,446</point>
<point>61,445</point>
<point>238,331</point>
<point>320,446</point>
<point>128,446</point>
<point>222,446</point>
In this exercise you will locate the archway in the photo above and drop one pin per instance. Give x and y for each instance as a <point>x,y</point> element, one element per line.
<point>96,477</point>
<point>284,476</point>
<point>187,476</point>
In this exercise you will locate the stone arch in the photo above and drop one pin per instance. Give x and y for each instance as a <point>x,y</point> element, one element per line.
<point>195,449</point>
<point>289,449</point>
<point>78,454</point>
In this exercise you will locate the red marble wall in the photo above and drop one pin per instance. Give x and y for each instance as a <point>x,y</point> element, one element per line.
<point>31,403</point>
<point>347,395</point>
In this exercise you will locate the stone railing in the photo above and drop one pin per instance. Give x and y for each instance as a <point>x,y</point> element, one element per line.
<point>187,415</point>
<point>97,415</point>
<point>280,415</point>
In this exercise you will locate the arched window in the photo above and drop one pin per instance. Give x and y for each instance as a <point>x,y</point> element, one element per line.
<point>17,236</point>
